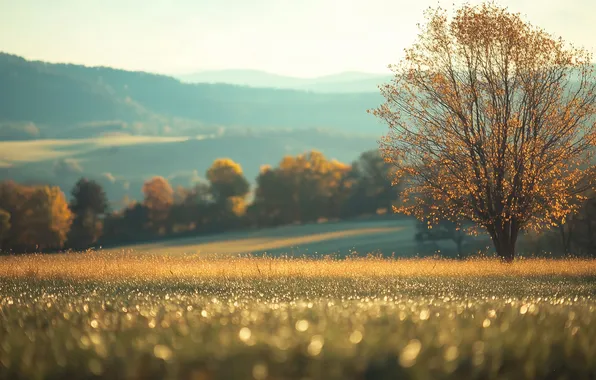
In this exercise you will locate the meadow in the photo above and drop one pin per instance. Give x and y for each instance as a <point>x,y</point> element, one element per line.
<point>32,151</point>
<point>125,315</point>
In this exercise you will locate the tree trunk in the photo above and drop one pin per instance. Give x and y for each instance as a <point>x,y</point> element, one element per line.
<point>566,236</point>
<point>504,240</point>
<point>459,240</point>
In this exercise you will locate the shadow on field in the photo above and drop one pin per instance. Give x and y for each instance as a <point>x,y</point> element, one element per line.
<point>386,236</point>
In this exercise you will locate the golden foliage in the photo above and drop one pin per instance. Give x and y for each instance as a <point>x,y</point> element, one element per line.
<point>60,215</point>
<point>265,168</point>
<point>305,187</point>
<point>237,205</point>
<point>223,166</point>
<point>227,179</point>
<point>491,120</point>
<point>39,216</point>
<point>159,195</point>
<point>315,164</point>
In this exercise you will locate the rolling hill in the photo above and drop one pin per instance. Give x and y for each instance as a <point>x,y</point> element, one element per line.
<point>59,122</point>
<point>121,164</point>
<point>347,82</point>
<point>66,97</point>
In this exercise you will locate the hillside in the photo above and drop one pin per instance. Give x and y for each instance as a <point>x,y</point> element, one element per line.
<point>59,122</point>
<point>122,164</point>
<point>347,82</point>
<point>62,98</point>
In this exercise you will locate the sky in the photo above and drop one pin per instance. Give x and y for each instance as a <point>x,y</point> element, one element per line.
<point>303,38</point>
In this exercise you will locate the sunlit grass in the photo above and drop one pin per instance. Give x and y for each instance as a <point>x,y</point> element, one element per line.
<point>52,149</point>
<point>129,265</point>
<point>123,315</point>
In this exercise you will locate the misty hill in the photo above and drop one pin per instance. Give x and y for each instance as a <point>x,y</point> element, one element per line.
<point>348,82</point>
<point>64,99</point>
<point>38,92</point>
<point>122,164</point>
<point>123,127</point>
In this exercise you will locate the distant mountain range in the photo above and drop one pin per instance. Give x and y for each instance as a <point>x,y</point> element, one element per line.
<point>336,83</point>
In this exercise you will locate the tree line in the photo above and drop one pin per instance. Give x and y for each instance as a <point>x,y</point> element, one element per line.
<point>301,189</point>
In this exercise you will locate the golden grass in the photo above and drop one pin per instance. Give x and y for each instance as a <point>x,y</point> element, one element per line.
<point>43,150</point>
<point>129,265</point>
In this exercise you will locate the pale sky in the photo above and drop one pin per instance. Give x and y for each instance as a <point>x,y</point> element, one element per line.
<point>290,37</point>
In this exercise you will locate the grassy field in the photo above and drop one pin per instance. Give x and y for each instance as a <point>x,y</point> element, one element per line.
<point>388,236</point>
<point>122,315</point>
<point>47,150</point>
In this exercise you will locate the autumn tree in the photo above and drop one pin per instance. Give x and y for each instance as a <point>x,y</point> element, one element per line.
<point>302,188</point>
<point>39,217</point>
<point>158,193</point>
<point>89,205</point>
<point>229,189</point>
<point>227,180</point>
<point>158,199</point>
<point>492,119</point>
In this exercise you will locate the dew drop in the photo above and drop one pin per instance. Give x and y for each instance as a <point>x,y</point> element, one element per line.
<point>244,334</point>
<point>408,356</point>
<point>259,371</point>
<point>302,325</point>
<point>162,352</point>
<point>355,337</point>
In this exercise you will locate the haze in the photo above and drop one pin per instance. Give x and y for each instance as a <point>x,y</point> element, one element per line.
<point>297,38</point>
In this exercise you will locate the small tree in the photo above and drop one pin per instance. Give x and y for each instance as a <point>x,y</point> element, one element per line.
<point>159,198</point>
<point>227,180</point>
<point>158,194</point>
<point>39,217</point>
<point>492,119</point>
<point>302,188</point>
<point>89,205</point>
<point>372,189</point>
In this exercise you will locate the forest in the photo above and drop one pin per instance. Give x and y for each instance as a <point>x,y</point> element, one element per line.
<point>301,189</point>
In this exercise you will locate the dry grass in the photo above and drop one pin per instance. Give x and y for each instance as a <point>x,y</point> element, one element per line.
<point>127,315</point>
<point>43,150</point>
<point>129,265</point>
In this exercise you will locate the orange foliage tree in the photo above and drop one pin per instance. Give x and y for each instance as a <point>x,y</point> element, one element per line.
<point>229,189</point>
<point>158,194</point>
<point>227,180</point>
<point>303,188</point>
<point>491,120</point>
<point>159,198</point>
<point>39,217</point>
